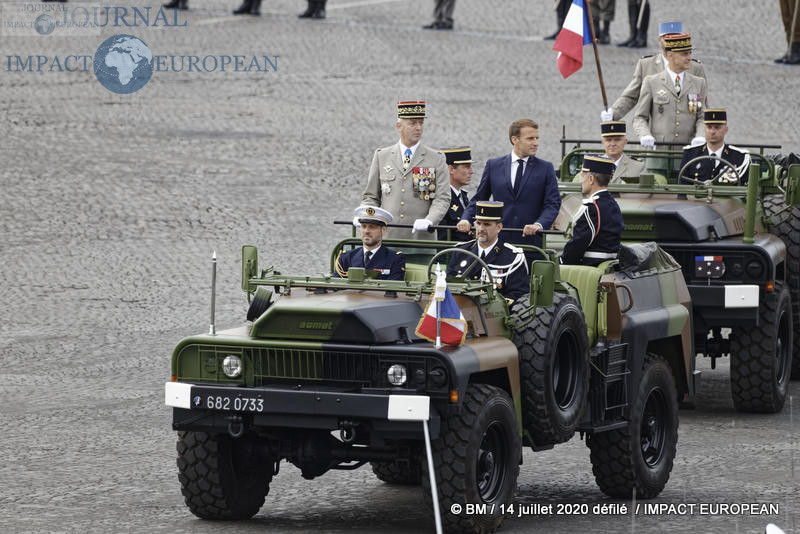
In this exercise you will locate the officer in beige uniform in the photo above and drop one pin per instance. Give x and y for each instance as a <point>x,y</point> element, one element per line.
<point>409,179</point>
<point>647,66</point>
<point>614,141</point>
<point>671,103</point>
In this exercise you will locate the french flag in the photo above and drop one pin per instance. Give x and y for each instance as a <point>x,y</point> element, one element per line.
<point>571,39</point>
<point>452,328</point>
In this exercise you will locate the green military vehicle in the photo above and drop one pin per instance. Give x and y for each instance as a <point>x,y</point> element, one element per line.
<point>331,375</point>
<point>739,248</point>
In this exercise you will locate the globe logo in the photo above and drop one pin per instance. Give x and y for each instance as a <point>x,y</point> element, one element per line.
<point>123,64</point>
<point>44,24</point>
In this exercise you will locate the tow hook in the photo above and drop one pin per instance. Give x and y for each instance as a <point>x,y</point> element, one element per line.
<point>347,432</point>
<point>236,426</point>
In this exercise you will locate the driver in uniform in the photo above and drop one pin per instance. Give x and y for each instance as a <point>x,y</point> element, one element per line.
<point>506,262</point>
<point>373,255</point>
<point>716,126</point>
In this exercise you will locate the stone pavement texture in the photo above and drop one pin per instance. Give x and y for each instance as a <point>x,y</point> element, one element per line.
<point>111,206</point>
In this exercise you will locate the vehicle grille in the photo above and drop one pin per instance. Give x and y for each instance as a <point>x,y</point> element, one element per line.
<point>339,367</point>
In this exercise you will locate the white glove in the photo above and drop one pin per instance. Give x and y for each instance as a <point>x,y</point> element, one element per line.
<point>697,141</point>
<point>647,141</point>
<point>607,115</point>
<point>421,225</point>
<point>356,223</point>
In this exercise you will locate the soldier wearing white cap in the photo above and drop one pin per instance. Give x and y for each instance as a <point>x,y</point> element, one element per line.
<point>372,255</point>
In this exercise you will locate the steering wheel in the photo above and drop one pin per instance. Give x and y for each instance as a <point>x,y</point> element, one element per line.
<point>483,265</point>
<point>692,161</point>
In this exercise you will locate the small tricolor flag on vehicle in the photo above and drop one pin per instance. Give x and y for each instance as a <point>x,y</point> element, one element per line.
<point>708,258</point>
<point>452,326</point>
<point>574,34</point>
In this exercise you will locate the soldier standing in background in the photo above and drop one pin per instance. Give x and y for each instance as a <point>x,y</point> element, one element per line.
<point>602,12</point>
<point>646,66</point>
<point>638,38</point>
<point>671,102</point>
<point>561,8</point>
<point>789,13</point>
<point>408,179</point>
<point>442,15</point>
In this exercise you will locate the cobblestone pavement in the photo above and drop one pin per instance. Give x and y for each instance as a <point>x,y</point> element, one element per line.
<point>111,206</point>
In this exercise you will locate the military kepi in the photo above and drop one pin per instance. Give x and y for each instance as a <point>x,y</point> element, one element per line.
<point>457,156</point>
<point>372,214</point>
<point>598,164</point>
<point>678,43</point>
<point>411,109</point>
<point>489,210</point>
<point>612,128</point>
<point>665,28</point>
<point>715,116</point>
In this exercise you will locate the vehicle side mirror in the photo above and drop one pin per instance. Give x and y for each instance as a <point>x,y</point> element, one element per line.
<point>543,275</point>
<point>249,265</point>
<point>793,185</point>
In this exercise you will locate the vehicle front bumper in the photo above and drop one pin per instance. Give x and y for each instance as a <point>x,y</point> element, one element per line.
<point>198,407</point>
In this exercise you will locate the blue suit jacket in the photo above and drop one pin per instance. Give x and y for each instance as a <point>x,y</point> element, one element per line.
<point>538,198</point>
<point>391,265</point>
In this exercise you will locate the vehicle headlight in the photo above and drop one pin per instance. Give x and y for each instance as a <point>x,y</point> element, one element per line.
<point>232,366</point>
<point>397,374</point>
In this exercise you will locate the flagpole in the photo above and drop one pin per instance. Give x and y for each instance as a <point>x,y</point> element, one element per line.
<point>596,55</point>
<point>438,344</point>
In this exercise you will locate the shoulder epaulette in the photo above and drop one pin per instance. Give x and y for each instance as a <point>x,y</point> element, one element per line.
<point>647,56</point>
<point>697,60</point>
<point>515,250</point>
<point>399,252</point>
<point>742,150</point>
<point>687,147</point>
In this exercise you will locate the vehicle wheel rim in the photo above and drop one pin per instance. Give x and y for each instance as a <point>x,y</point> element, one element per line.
<point>491,462</point>
<point>782,348</point>
<point>653,431</point>
<point>565,370</point>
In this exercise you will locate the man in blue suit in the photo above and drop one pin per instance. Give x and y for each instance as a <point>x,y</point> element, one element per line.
<point>373,256</point>
<point>525,184</point>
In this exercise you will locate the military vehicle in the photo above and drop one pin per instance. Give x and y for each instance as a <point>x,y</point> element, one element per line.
<point>331,375</point>
<point>739,248</point>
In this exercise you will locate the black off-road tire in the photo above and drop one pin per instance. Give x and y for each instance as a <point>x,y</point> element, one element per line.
<point>554,369</point>
<point>787,226</point>
<point>222,477</point>
<point>400,473</point>
<point>476,458</point>
<point>761,357</point>
<point>639,457</point>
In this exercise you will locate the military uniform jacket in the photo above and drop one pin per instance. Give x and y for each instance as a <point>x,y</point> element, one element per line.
<point>647,66</point>
<point>453,215</point>
<point>390,264</point>
<point>627,168</point>
<point>664,114</point>
<point>509,269</point>
<point>537,200</point>
<point>596,231</point>
<point>708,169</point>
<point>393,189</point>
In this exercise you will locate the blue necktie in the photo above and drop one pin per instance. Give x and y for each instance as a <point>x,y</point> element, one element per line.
<point>518,177</point>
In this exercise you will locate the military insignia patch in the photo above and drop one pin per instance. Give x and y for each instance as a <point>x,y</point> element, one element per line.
<point>661,92</point>
<point>388,168</point>
<point>463,263</point>
<point>386,188</point>
<point>454,207</point>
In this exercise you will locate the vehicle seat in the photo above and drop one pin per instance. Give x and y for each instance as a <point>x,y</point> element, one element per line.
<point>586,280</point>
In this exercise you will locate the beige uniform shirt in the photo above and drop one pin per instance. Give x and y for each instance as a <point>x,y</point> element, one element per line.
<point>647,66</point>
<point>397,190</point>
<point>665,114</point>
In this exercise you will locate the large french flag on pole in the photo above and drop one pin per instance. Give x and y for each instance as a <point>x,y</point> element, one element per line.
<point>571,39</point>
<point>452,325</point>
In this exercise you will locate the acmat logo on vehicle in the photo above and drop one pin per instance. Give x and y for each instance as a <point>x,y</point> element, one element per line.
<point>316,325</point>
